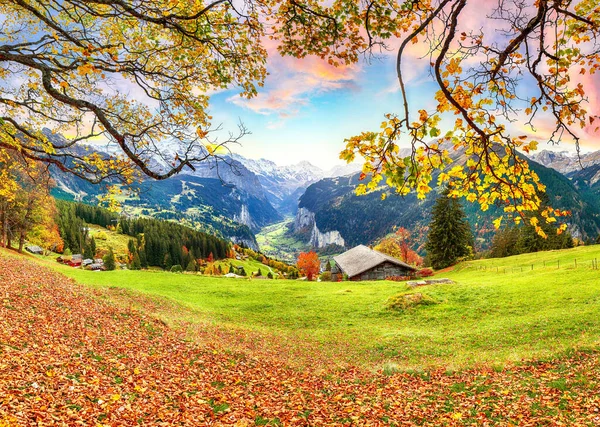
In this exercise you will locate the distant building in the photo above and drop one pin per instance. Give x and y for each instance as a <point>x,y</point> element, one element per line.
<point>34,249</point>
<point>363,263</point>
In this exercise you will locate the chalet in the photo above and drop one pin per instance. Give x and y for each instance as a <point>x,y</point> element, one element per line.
<point>363,263</point>
<point>34,249</point>
<point>96,267</point>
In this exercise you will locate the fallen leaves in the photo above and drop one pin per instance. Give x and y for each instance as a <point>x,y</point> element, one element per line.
<point>69,356</point>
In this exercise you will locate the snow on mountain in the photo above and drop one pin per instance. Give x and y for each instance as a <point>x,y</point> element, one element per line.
<point>565,162</point>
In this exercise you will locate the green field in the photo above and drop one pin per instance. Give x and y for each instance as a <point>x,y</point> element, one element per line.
<point>499,310</point>
<point>276,241</point>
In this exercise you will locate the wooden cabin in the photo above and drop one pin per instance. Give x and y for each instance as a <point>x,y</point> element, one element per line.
<point>363,263</point>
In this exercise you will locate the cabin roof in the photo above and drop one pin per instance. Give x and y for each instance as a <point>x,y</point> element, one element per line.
<point>361,258</point>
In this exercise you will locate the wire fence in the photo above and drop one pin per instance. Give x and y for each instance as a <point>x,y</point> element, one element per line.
<point>556,264</point>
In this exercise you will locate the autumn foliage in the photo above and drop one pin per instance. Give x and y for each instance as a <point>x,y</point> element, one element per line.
<point>399,246</point>
<point>70,356</point>
<point>309,264</point>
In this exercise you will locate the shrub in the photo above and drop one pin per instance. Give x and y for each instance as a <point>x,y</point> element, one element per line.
<point>405,301</point>
<point>425,272</point>
<point>101,235</point>
<point>176,269</point>
<point>326,276</point>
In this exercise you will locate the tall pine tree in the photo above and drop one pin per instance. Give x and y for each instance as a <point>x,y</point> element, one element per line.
<point>450,237</point>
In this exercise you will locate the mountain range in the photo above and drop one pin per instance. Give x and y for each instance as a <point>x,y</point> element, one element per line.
<point>233,198</point>
<point>331,214</point>
<point>238,198</point>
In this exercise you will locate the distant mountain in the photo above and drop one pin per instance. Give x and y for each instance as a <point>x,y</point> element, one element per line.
<point>565,162</point>
<point>224,198</point>
<point>282,184</point>
<point>331,214</point>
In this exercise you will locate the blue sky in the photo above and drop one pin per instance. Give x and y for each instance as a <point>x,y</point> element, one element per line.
<point>307,108</point>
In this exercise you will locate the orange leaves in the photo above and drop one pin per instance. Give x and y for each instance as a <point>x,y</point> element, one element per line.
<point>93,347</point>
<point>309,264</point>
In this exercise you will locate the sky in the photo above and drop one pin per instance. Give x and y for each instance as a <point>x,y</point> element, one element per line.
<point>307,107</point>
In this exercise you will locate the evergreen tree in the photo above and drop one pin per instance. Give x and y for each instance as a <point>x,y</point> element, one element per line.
<point>143,258</point>
<point>93,247</point>
<point>131,246</point>
<point>231,269</point>
<point>136,264</point>
<point>259,273</point>
<point>167,262</point>
<point>87,251</point>
<point>449,237</point>
<point>109,260</point>
<point>191,266</point>
<point>328,265</point>
<point>270,275</point>
<point>243,272</point>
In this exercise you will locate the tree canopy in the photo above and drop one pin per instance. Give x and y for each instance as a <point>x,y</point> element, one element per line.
<point>67,65</point>
<point>518,68</point>
<point>133,74</point>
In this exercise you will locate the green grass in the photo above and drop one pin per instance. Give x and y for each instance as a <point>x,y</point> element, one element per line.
<point>115,240</point>
<point>488,316</point>
<point>276,241</point>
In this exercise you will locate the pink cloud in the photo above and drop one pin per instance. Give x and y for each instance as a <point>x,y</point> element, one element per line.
<point>291,83</point>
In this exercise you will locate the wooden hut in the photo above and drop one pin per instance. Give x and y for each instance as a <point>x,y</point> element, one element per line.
<point>363,263</point>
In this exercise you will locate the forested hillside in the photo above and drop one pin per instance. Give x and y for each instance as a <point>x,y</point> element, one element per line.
<point>364,219</point>
<point>156,243</point>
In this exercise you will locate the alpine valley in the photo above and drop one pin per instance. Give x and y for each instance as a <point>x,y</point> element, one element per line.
<point>283,210</point>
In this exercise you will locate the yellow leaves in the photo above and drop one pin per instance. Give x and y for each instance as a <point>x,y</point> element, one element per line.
<point>201,133</point>
<point>383,196</point>
<point>471,197</point>
<point>115,397</point>
<point>64,85</point>
<point>497,222</point>
<point>85,69</point>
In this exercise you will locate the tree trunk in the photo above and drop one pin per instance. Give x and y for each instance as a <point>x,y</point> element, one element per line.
<point>4,227</point>
<point>21,240</point>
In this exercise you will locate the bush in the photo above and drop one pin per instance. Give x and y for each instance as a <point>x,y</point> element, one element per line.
<point>405,301</point>
<point>425,272</point>
<point>325,276</point>
<point>176,269</point>
<point>101,235</point>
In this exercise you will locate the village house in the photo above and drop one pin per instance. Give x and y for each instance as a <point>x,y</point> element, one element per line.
<point>363,263</point>
<point>34,249</point>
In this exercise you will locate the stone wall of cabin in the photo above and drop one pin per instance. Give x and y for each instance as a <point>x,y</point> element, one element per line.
<point>382,271</point>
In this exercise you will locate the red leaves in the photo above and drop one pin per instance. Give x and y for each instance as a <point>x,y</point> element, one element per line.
<point>69,356</point>
<point>309,264</point>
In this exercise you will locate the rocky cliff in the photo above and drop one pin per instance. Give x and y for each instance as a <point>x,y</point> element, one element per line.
<point>305,222</point>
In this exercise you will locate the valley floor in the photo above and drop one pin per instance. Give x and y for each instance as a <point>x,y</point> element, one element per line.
<point>100,355</point>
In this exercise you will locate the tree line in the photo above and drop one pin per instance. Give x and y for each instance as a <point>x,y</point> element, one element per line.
<point>155,243</point>
<point>166,244</point>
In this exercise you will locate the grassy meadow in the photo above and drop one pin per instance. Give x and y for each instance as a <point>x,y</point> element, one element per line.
<point>499,310</point>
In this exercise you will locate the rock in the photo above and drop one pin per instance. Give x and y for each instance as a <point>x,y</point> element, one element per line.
<point>415,283</point>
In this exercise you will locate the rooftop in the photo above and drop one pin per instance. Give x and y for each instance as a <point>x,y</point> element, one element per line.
<point>361,258</point>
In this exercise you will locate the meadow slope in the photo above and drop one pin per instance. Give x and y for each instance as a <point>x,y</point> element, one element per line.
<point>498,310</point>
<point>69,355</point>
